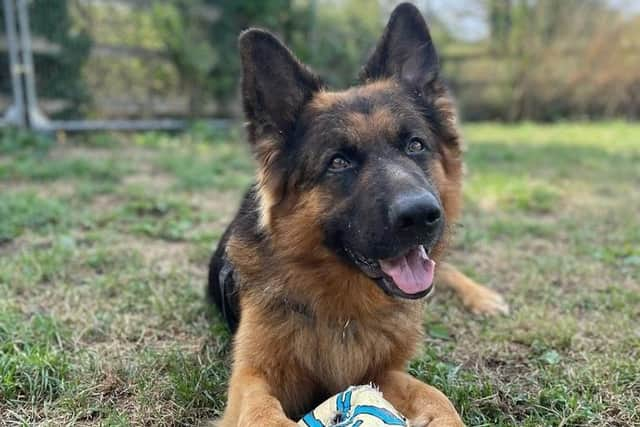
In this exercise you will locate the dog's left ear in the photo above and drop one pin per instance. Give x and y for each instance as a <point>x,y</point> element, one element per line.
<point>275,85</point>
<point>405,50</point>
<point>275,88</point>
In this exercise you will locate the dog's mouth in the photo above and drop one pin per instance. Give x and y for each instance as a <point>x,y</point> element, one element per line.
<point>409,275</point>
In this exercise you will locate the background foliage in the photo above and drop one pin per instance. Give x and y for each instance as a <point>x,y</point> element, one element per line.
<point>532,59</point>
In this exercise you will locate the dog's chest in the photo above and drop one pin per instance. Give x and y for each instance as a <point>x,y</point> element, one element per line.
<point>347,352</point>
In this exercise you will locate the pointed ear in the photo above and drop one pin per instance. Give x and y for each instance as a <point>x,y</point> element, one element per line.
<point>275,88</point>
<point>275,85</point>
<point>405,50</point>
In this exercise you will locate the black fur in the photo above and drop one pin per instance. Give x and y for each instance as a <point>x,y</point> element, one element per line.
<point>225,294</point>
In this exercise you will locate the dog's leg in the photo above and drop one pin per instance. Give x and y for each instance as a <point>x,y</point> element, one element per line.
<point>422,404</point>
<point>251,403</point>
<point>477,298</point>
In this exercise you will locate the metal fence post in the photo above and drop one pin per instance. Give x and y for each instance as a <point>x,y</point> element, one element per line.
<point>37,120</point>
<point>15,114</point>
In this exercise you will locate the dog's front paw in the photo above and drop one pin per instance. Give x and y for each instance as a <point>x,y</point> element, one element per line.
<point>417,422</point>
<point>423,421</point>
<point>484,301</point>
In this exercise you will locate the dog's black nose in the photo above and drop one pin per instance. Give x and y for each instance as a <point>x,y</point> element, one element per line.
<point>415,213</point>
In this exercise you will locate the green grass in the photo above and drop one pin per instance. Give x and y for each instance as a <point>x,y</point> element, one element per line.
<point>33,365</point>
<point>104,243</point>
<point>23,211</point>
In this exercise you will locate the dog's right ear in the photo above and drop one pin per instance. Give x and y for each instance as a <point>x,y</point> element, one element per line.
<point>405,50</point>
<point>275,87</point>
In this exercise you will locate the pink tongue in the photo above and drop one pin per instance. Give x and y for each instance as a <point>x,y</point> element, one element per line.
<point>412,273</point>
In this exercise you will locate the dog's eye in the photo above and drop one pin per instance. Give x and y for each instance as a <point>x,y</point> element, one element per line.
<point>415,145</point>
<point>339,163</point>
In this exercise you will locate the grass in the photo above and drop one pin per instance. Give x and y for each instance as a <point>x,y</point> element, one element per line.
<point>23,211</point>
<point>104,243</point>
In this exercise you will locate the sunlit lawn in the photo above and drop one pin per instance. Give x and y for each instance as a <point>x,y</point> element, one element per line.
<point>104,243</point>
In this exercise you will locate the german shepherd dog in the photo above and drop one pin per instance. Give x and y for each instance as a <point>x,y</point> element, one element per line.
<point>324,271</point>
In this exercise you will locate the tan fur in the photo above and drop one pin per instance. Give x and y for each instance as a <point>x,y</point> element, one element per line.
<point>367,334</point>
<point>350,332</point>
<point>325,99</point>
<point>477,298</point>
<point>365,127</point>
<point>311,324</point>
<point>278,370</point>
<point>269,183</point>
<point>363,335</point>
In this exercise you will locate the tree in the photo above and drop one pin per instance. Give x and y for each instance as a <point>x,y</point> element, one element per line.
<point>499,22</point>
<point>286,17</point>
<point>183,32</point>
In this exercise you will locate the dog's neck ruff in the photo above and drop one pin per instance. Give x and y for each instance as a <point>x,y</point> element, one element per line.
<point>289,306</point>
<point>297,307</point>
<point>286,305</point>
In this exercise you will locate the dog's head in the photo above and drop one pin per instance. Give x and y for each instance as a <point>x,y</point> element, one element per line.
<point>370,175</point>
